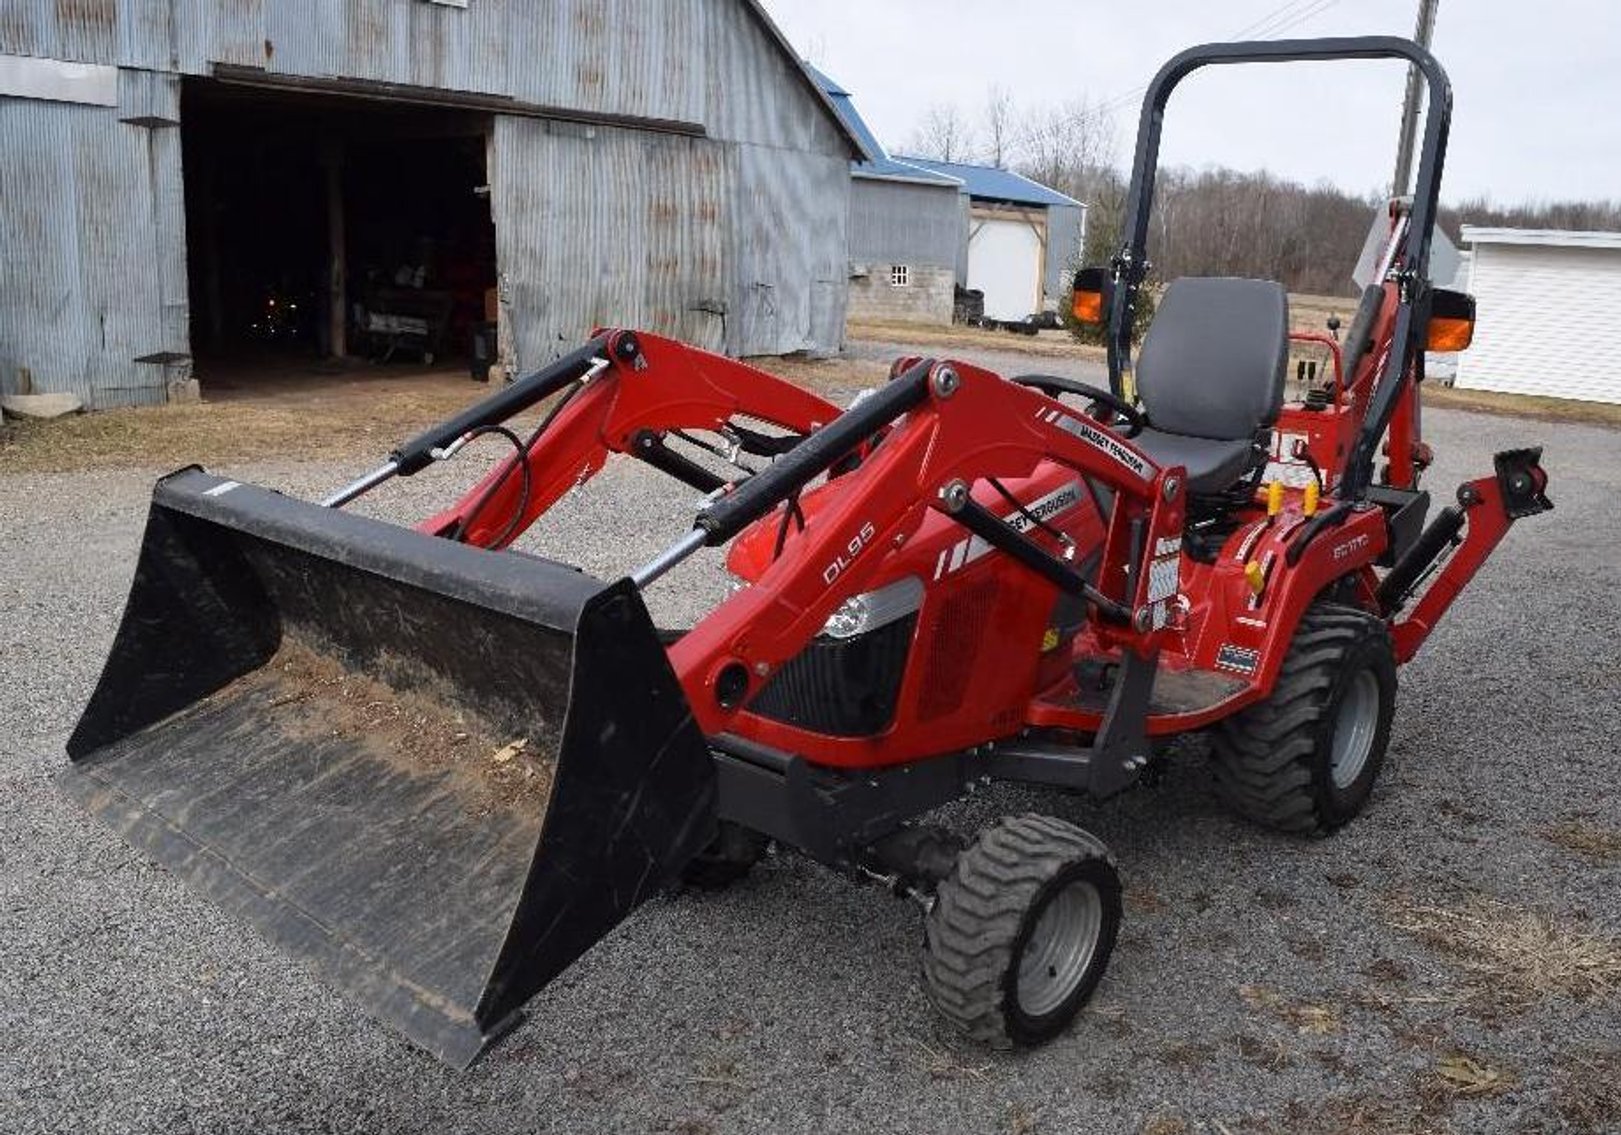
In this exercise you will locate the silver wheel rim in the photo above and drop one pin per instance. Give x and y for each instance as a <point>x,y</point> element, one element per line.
<point>1059,950</point>
<point>1354,727</point>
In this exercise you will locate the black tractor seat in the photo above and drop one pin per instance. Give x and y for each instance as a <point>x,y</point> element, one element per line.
<point>1210,378</point>
<point>1212,465</point>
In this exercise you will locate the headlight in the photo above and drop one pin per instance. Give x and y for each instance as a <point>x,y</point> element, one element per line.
<point>873,609</point>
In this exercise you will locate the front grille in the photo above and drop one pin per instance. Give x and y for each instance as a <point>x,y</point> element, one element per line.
<point>841,687</point>
<point>957,626</point>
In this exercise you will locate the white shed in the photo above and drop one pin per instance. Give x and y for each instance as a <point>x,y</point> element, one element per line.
<point>1548,313</point>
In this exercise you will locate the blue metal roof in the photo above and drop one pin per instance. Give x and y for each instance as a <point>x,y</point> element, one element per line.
<point>881,164</point>
<point>991,183</point>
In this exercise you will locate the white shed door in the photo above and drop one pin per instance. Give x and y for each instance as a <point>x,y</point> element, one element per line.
<point>1004,262</point>
<point>1548,321</point>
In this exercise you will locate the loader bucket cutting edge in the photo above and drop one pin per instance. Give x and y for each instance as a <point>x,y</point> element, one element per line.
<point>308,715</point>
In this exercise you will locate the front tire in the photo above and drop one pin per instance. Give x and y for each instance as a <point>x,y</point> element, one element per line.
<point>728,859</point>
<point>1305,759</point>
<point>1022,930</point>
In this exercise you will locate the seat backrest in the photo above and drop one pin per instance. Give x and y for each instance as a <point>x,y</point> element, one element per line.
<point>1215,357</point>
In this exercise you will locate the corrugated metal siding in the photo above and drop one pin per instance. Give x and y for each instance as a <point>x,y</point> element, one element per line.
<point>756,94</point>
<point>84,31</point>
<point>1063,250</point>
<point>792,276</point>
<point>608,227</point>
<point>895,222</point>
<point>627,57</point>
<point>1546,322</point>
<point>706,61</point>
<point>82,284</point>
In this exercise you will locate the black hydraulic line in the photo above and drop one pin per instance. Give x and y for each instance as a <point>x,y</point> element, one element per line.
<point>459,533</point>
<point>1304,454</point>
<point>520,452</point>
<point>1409,572</point>
<point>417,453</point>
<point>1035,521</point>
<point>726,517</point>
<point>790,511</point>
<point>994,531</point>
<point>648,446</point>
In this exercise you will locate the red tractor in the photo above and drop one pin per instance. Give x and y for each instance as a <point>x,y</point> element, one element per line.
<point>961,577</point>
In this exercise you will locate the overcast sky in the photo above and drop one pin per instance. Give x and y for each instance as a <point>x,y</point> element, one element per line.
<point>1537,83</point>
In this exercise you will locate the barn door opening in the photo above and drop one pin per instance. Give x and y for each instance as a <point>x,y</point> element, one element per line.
<point>330,234</point>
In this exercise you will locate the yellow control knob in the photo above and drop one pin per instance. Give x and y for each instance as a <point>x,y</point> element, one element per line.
<point>1274,498</point>
<point>1308,504</point>
<point>1255,576</point>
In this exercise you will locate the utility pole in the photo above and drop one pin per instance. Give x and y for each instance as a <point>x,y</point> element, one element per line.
<point>1409,110</point>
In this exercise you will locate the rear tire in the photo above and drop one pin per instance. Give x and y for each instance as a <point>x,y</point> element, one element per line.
<point>1021,931</point>
<point>1305,759</point>
<point>730,856</point>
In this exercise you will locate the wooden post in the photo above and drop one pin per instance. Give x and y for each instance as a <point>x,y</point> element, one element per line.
<point>337,261</point>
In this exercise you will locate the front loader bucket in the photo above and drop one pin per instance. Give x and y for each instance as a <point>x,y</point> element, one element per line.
<point>313,719</point>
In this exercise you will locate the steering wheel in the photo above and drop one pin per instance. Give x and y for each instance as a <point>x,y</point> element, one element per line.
<point>1052,386</point>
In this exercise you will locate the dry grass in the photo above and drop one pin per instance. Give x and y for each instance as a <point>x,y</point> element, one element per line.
<point>343,419</point>
<point>334,416</point>
<point>1510,955</point>
<point>1361,1114</point>
<point>1047,344</point>
<point>1272,1054</point>
<point>1310,1020</point>
<point>947,1064</point>
<point>1459,1074</point>
<point>1166,1123</point>
<point>827,376</point>
<point>1587,1091</point>
<point>1523,406</point>
<point>1599,845</point>
<point>1311,313</point>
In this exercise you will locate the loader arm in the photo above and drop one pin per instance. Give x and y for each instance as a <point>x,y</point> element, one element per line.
<point>655,386</point>
<point>936,432</point>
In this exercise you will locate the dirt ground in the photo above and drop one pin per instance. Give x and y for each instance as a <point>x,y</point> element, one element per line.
<point>1450,962</point>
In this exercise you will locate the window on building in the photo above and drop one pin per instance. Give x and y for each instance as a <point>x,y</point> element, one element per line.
<point>900,275</point>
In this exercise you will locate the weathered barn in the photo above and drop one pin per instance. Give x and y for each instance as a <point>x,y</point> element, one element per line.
<point>921,229</point>
<point>189,180</point>
<point>906,229</point>
<point>1546,307</point>
<point>1024,240</point>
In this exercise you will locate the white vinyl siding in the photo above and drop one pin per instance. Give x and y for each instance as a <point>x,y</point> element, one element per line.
<point>1548,322</point>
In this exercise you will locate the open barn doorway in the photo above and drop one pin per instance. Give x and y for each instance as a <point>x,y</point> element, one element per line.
<point>330,233</point>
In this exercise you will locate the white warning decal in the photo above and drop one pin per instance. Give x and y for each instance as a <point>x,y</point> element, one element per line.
<point>1162,578</point>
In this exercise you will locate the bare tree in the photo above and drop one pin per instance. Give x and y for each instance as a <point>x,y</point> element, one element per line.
<point>1001,125</point>
<point>943,134</point>
<point>1071,147</point>
<point>1068,146</point>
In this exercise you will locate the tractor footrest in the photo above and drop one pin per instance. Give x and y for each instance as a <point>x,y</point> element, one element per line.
<point>1175,691</point>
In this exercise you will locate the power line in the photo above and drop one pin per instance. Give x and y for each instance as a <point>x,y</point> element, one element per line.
<point>1270,17</point>
<point>1274,23</point>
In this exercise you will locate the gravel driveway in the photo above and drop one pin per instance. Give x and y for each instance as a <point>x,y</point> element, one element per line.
<point>1448,962</point>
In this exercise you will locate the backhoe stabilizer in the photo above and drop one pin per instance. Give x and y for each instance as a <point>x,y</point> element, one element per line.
<point>439,774</point>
